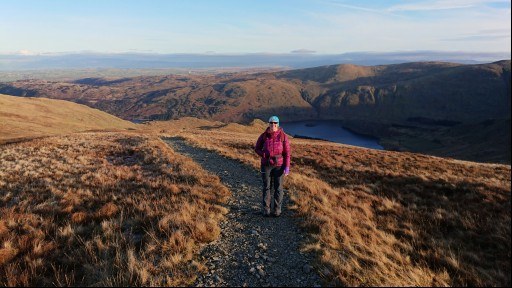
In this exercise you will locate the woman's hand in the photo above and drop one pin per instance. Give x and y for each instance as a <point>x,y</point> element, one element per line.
<point>286,171</point>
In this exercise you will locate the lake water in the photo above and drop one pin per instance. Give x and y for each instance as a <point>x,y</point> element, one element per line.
<point>330,131</point>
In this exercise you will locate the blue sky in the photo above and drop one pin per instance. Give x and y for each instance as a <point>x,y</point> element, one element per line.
<point>263,26</point>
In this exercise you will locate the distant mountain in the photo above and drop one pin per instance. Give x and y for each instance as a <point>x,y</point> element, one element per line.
<point>396,103</point>
<point>407,92</point>
<point>13,62</point>
<point>410,92</point>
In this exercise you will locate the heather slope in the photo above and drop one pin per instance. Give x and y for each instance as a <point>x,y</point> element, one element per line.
<point>33,117</point>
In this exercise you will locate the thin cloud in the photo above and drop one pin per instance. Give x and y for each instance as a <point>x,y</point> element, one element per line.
<point>303,51</point>
<point>354,7</point>
<point>26,52</point>
<point>478,38</point>
<point>441,5</point>
<point>363,9</point>
<point>495,31</point>
<point>483,35</point>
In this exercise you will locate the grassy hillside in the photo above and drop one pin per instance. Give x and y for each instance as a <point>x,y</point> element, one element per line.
<point>113,210</point>
<point>123,209</point>
<point>24,118</point>
<point>382,218</point>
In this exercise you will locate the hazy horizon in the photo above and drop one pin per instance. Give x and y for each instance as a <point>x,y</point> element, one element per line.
<point>16,62</point>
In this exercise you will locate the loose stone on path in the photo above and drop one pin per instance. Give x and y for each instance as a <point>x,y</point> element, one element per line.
<point>252,250</point>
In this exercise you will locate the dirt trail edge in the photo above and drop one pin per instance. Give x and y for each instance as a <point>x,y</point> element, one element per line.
<point>252,250</point>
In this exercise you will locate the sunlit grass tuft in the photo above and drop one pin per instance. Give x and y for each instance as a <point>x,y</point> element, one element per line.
<point>103,209</point>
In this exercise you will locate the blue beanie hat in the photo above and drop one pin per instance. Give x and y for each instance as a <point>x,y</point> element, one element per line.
<point>273,119</point>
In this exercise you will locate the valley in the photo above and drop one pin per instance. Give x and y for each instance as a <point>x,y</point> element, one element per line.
<point>420,107</point>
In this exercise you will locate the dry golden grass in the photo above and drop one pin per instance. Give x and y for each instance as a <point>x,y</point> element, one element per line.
<point>124,209</point>
<point>185,124</point>
<point>25,118</point>
<point>381,218</point>
<point>103,209</point>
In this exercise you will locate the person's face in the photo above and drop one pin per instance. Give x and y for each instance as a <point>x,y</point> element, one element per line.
<point>273,126</point>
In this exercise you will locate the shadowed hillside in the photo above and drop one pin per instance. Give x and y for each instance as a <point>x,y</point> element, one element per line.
<point>403,105</point>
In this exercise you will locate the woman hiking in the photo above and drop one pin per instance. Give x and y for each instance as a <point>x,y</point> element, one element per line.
<point>274,149</point>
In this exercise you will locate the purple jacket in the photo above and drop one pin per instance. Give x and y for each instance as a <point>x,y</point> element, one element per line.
<point>274,148</point>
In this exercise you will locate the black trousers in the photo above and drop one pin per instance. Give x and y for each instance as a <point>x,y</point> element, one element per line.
<point>272,174</point>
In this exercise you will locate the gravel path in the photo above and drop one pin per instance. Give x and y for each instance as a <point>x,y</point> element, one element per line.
<point>252,250</point>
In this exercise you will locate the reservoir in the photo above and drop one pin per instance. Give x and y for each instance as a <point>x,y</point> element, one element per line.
<point>329,130</point>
